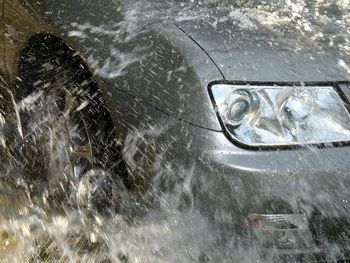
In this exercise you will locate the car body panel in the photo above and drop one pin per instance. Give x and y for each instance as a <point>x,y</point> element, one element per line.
<point>262,41</point>
<point>177,85</point>
<point>268,58</point>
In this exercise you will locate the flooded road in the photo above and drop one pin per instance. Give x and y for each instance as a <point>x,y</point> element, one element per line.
<point>67,190</point>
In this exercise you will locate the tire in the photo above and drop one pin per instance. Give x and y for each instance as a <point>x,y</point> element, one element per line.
<point>67,129</point>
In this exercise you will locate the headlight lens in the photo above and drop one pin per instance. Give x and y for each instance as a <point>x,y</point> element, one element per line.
<point>282,115</point>
<point>238,107</point>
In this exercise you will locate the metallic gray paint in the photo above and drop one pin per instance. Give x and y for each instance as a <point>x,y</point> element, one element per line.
<point>183,124</point>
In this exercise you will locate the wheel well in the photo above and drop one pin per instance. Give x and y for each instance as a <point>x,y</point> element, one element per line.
<point>54,52</point>
<point>43,56</point>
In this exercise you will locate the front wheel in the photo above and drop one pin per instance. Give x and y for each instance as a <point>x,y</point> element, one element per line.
<point>67,131</point>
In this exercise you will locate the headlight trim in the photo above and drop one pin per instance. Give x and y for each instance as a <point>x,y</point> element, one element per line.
<point>338,88</point>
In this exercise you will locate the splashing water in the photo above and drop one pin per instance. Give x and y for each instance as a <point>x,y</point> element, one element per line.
<point>56,217</point>
<point>40,224</point>
<point>53,217</point>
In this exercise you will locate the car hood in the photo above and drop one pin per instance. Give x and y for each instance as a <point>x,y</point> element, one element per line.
<point>247,47</point>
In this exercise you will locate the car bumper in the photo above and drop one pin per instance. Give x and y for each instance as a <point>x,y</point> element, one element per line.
<point>231,183</point>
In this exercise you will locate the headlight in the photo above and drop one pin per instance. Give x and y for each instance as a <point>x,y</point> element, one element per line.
<point>282,115</point>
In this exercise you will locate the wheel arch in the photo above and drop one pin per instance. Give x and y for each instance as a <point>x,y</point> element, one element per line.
<point>55,48</point>
<point>49,47</point>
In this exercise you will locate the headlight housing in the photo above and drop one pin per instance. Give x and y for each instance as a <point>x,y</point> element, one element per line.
<point>278,115</point>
